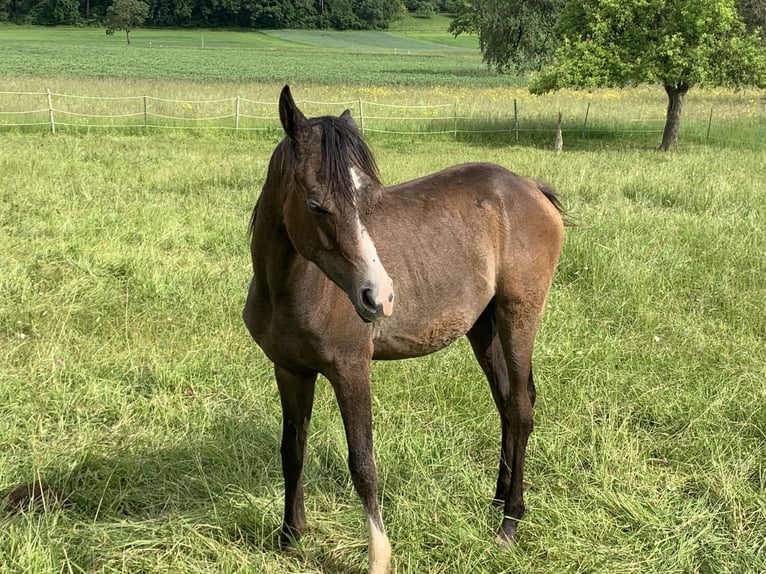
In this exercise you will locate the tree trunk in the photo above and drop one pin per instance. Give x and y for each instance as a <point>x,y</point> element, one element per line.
<point>676,95</point>
<point>127,35</point>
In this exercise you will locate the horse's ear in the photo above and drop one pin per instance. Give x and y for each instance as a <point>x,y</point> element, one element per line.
<point>295,124</point>
<point>346,117</point>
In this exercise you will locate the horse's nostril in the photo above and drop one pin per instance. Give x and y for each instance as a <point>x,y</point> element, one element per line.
<point>368,300</point>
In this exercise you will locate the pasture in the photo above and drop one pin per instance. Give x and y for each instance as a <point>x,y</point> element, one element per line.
<point>129,384</point>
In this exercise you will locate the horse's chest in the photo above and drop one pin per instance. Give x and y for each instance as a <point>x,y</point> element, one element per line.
<point>297,335</point>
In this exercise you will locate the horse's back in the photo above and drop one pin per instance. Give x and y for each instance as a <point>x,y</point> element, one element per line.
<point>488,203</point>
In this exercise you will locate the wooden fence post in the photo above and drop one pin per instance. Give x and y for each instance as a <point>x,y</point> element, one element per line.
<point>361,116</point>
<point>455,116</point>
<point>709,123</point>
<point>516,119</point>
<point>50,111</point>
<point>585,123</point>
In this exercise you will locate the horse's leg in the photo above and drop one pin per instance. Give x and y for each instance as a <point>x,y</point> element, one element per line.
<point>489,353</point>
<point>516,324</point>
<point>296,392</point>
<point>352,390</point>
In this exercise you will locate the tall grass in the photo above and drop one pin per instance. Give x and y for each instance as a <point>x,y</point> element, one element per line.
<point>128,383</point>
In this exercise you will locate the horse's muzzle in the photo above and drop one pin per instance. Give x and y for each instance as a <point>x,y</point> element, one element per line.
<point>375,302</point>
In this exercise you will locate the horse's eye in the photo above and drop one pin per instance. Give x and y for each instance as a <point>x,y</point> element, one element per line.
<point>316,207</point>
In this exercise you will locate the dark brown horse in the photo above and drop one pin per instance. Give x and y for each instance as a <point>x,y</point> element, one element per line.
<point>469,250</point>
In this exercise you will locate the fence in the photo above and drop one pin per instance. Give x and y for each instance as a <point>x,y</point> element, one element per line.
<point>53,111</point>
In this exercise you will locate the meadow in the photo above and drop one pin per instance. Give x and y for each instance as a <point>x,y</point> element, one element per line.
<point>129,385</point>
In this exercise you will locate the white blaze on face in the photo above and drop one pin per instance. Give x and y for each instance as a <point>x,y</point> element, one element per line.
<point>356,177</point>
<point>374,270</point>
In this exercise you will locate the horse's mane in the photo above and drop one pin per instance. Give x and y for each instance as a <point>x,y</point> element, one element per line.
<point>343,147</point>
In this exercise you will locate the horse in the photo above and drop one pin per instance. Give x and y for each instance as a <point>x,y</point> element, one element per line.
<point>470,250</point>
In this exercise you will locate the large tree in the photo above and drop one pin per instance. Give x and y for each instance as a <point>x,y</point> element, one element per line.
<point>126,15</point>
<point>676,43</point>
<point>514,35</point>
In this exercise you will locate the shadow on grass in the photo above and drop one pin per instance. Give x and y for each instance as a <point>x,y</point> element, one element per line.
<point>235,459</point>
<point>225,485</point>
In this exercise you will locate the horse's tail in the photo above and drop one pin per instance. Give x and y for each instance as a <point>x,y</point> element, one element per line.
<point>553,197</point>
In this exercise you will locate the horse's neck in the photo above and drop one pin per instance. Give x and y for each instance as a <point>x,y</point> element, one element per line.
<point>271,249</point>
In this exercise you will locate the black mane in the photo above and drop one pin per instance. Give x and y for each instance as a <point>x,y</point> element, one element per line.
<point>342,148</point>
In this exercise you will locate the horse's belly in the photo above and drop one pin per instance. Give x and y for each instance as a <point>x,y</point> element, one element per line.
<point>402,339</point>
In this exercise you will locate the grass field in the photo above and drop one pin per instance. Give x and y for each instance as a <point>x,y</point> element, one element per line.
<point>129,384</point>
<point>413,57</point>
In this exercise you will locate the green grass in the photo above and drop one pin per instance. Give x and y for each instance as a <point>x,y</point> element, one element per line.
<point>128,382</point>
<point>372,58</point>
<point>369,41</point>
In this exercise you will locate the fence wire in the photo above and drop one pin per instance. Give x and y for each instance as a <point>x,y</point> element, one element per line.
<point>73,111</point>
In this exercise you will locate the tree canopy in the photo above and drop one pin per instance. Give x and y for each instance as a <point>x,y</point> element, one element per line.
<point>338,14</point>
<point>126,15</point>
<point>514,35</point>
<point>676,43</point>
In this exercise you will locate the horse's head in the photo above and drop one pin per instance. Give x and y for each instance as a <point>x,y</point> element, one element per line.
<point>326,212</point>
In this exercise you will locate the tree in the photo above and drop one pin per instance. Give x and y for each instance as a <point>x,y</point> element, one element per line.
<point>376,14</point>
<point>753,12</point>
<point>514,35</point>
<point>676,43</point>
<point>126,15</point>
<point>55,12</point>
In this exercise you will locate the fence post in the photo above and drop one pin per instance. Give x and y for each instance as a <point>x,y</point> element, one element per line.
<point>516,119</point>
<point>585,123</point>
<point>455,116</point>
<point>361,116</point>
<point>146,114</point>
<point>236,114</point>
<point>50,110</point>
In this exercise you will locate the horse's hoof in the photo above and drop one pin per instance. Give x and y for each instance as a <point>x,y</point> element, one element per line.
<point>288,536</point>
<point>506,535</point>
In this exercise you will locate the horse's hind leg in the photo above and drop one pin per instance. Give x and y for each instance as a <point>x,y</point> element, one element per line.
<point>516,323</point>
<point>489,353</point>
<point>296,392</point>
<point>502,341</point>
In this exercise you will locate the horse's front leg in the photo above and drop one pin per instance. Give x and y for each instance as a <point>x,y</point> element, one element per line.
<point>296,392</point>
<point>352,390</point>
